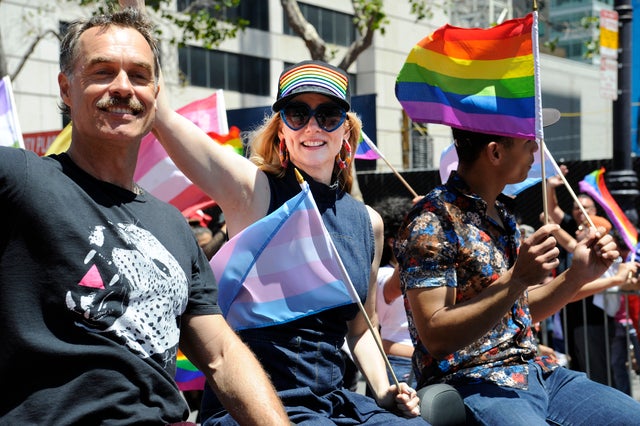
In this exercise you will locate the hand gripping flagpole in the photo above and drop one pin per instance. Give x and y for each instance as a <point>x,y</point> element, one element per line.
<point>352,291</point>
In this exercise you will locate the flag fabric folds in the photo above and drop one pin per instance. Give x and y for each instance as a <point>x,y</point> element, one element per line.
<point>449,162</point>
<point>280,268</point>
<point>594,185</point>
<point>157,173</point>
<point>10,133</point>
<point>61,142</point>
<point>366,148</point>
<point>482,80</point>
<point>188,377</point>
<point>231,140</point>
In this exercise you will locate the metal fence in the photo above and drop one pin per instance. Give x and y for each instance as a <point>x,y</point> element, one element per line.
<point>623,334</point>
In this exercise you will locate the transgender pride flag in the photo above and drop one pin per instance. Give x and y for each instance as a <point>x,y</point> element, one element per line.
<point>157,173</point>
<point>482,80</point>
<point>281,268</point>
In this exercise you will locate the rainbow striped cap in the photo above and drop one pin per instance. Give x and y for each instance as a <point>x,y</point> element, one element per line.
<point>313,77</point>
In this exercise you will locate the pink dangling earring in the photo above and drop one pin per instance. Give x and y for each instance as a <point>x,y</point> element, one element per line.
<point>343,164</point>
<point>283,154</point>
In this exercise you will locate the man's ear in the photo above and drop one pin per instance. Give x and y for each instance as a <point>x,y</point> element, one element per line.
<point>494,152</point>
<point>63,83</point>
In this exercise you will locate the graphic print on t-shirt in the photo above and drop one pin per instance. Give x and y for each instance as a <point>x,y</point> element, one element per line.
<point>133,290</point>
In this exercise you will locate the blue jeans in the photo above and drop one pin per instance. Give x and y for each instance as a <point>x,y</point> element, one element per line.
<point>562,397</point>
<point>402,369</point>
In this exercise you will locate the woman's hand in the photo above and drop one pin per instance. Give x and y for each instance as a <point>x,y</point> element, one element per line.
<point>406,402</point>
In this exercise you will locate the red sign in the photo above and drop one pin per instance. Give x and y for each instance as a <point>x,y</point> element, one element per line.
<point>39,142</point>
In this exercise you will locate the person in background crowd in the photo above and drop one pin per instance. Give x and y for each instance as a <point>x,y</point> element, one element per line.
<point>624,340</point>
<point>311,130</point>
<point>474,294</point>
<point>591,328</point>
<point>392,317</point>
<point>568,223</point>
<point>101,297</point>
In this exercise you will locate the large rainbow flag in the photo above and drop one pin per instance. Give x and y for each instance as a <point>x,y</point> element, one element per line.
<point>482,80</point>
<point>594,185</point>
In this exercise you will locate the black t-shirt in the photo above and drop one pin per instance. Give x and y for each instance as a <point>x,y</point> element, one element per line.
<point>93,282</point>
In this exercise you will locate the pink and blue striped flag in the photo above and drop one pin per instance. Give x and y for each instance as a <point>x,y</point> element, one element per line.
<point>482,80</point>
<point>155,170</point>
<point>594,185</point>
<point>366,148</point>
<point>281,268</point>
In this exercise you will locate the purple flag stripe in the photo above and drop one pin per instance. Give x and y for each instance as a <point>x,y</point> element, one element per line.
<point>492,124</point>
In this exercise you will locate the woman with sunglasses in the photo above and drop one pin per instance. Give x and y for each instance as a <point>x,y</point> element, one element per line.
<point>313,131</point>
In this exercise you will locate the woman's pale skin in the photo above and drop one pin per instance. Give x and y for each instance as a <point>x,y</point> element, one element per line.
<point>242,191</point>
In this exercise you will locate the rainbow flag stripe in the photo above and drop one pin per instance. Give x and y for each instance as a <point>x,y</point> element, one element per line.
<point>365,150</point>
<point>594,185</point>
<point>188,377</point>
<point>476,79</point>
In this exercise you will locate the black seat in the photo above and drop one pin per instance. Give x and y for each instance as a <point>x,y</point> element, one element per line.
<point>441,405</point>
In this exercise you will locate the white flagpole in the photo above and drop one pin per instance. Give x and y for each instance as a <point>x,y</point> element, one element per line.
<point>351,289</point>
<point>538,109</point>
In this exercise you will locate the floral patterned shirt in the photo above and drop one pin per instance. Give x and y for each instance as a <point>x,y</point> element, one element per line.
<point>449,240</point>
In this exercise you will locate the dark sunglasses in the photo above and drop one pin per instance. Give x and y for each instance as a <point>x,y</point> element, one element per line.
<point>329,117</point>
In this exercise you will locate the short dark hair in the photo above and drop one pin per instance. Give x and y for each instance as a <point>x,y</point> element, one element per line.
<point>392,210</point>
<point>126,18</point>
<point>469,144</point>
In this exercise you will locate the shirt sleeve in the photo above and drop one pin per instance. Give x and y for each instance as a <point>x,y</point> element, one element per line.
<point>428,253</point>
<point>203,295</point>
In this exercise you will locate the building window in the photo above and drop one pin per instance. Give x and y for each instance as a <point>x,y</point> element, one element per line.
<point>334,27</point>
<point>254,11</point>
<point>421,148</point>
<point>223,70</point>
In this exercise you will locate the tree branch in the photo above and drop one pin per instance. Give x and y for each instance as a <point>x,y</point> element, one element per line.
<point>30,51</point>
<point>307,32</point>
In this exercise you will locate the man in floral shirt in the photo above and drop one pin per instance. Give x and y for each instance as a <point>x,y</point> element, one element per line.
<point>472,295</point>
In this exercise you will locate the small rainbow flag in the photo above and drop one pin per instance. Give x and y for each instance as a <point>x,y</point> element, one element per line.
<point>594,185</point>
<point>482,80</point>
<point>231,139</point>
<point>188,377</point>
<point>366,148</point>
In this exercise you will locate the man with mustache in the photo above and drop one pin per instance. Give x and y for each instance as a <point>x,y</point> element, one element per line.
<point>100,281</point>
